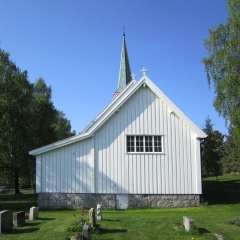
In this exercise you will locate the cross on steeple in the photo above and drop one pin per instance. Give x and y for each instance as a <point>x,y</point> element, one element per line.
<point>133,75</point>
<point>143,71</point>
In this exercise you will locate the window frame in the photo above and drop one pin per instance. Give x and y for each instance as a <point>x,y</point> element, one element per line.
<point>153,142</point>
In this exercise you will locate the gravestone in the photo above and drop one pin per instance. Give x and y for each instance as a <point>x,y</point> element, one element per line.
<point>6,221</point>
<point>99,213</point>
<point>19,219</point>
<point>218,237</point>
<point>86,232</point>
<point>188,223</point>
<point>33,215</point>
<point>92,217</point>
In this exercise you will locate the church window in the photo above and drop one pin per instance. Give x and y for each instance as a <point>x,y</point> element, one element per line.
<point>140,143</point>
<point>130,144</point>
<point>157,144</point>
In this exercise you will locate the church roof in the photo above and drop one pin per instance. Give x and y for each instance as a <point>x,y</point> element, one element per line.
<point>126,88</point>
<point>125,70</point>
<point>113,107</point>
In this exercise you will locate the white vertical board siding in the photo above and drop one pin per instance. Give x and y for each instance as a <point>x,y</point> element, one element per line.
<point>69,169</point>
<point>38,174</point>
<point>175,171</point>
<point>197,167</point>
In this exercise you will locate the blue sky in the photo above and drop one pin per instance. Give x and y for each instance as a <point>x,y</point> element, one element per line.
<point>75,46</point>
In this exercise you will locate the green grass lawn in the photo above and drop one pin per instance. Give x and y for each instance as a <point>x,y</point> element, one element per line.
<point>221,203</point>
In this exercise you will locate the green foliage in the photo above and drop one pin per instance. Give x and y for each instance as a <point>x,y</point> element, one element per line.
<point>231,161</point>
<point>223,67</point>
<point>212,153</point>
<point>235,221</point>
<point>28,120</point>
<point>77,224</point>
<point>45,114</point>
<point>96,230</point>
<point>62,127</point>
<point>50,124</point>
<point>16,116</point>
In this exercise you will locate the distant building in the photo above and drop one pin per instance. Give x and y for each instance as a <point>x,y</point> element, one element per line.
<point>141,150</point>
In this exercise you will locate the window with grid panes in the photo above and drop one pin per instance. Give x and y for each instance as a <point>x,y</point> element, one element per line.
<point>140,143</point>
<point>130,144</point>
<point>157,144</point>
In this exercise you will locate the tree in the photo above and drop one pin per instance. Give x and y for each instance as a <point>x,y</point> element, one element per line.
<point>62,127</point>
<point>231,161</point>
<point>45,115</point>
<point>16,101</point>
<point>49,124</point>
<point>213,150</point>
<point>223,67</point>
<point>28,120</point>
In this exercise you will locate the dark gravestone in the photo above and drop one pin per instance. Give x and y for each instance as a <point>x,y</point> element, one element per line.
<point>19,219</point>
<point>6,221</point>
<point>86,232</point>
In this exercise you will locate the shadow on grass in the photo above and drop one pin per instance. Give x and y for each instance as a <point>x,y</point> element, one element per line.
<point>23,230</point>
<point>30,224</point>
<point>16,207</point>
<point>222,192</point>
<point>16,202</point>
<point>111,220</point>
<point>46,219</point>
<point>105,230</point>
<point>203,230</point>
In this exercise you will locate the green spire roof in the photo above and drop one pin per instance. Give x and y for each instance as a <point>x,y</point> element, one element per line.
<point>125,70</point>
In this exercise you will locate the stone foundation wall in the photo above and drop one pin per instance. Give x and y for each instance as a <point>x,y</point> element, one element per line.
<point>164,201</point>
<point>76,200</point>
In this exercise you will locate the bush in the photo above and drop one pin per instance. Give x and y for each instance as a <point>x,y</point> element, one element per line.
<point>235,221</point>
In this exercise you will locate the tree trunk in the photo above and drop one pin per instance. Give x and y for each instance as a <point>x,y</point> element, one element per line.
<point>16,185</point>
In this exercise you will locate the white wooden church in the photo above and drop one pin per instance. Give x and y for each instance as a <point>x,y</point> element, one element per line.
<point>141,150</point>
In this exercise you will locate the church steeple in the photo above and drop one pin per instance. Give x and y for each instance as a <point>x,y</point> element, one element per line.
<point>125,70</point>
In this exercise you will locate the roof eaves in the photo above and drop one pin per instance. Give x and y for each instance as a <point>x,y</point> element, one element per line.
<point>58,144</point>
<point>120,100</point>
<point>108,108</point>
